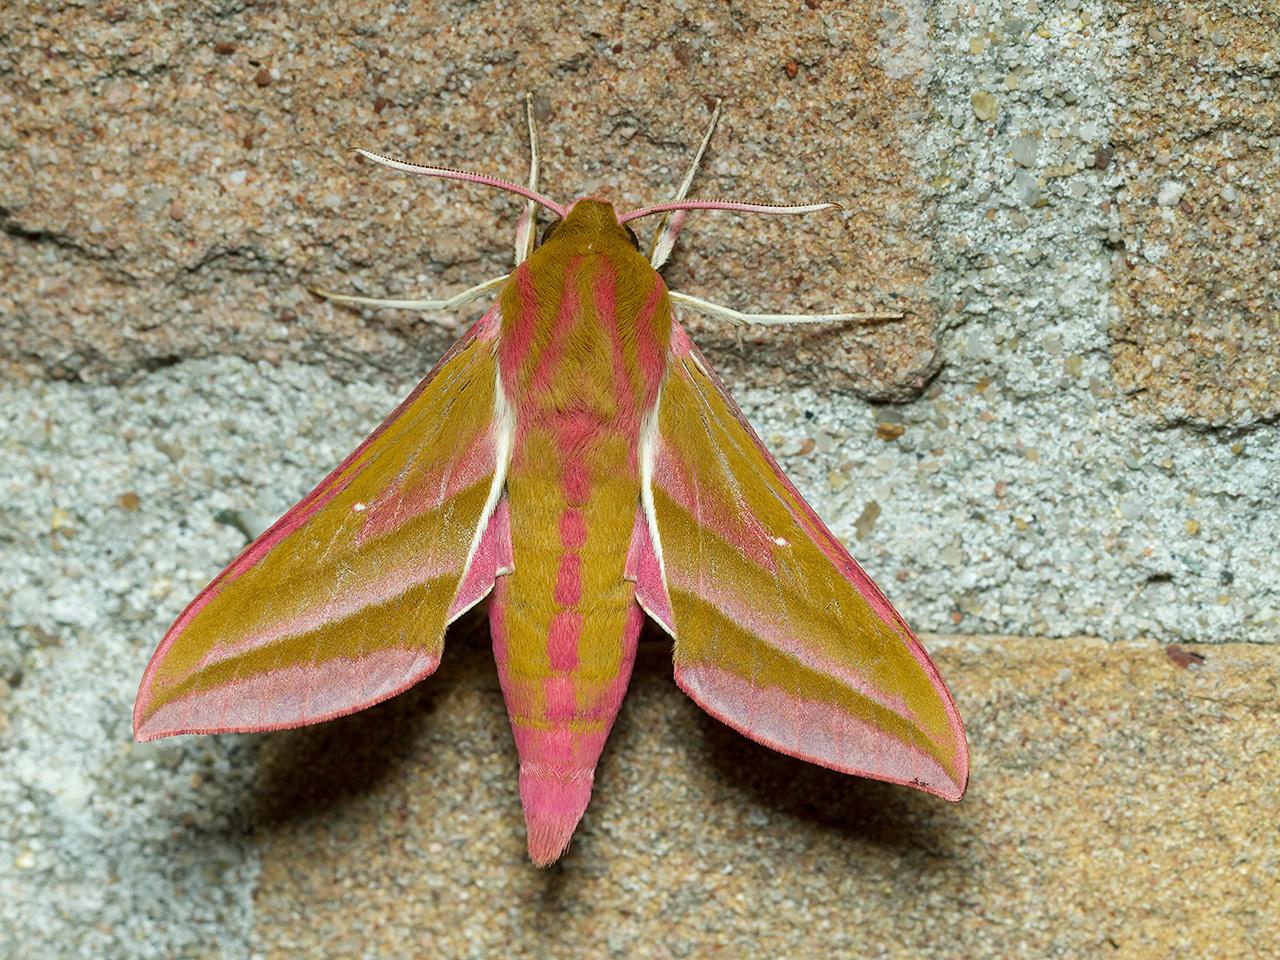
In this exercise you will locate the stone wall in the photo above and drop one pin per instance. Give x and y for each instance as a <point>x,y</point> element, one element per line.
<point>1061,465</point>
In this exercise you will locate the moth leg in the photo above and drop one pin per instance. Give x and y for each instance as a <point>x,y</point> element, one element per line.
<point>527,226</point>
<point>664,238</point>
<point>449,303</point>
<point>738,318</point>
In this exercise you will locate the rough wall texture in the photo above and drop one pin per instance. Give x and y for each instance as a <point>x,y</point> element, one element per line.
<point>1062,463</point>
<point>1198,277</point>
<point>179,174</point>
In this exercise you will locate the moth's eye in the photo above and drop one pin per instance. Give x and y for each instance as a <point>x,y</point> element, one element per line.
<point>546,234</point>
<point>635,241</point>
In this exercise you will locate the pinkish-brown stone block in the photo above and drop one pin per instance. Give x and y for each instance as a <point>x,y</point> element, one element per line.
<point>177,180</point>
<point>1197,100</point>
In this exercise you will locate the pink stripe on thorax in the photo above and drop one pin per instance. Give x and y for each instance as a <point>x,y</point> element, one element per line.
<point>517,331</point>
<point>548,361</point>
<point>626,416</point>
<point>651,353</point>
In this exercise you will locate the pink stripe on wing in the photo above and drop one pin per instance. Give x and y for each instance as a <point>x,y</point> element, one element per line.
<point>711,509</point>
<point>416,493</point>
<point>642,567</point>
<point>299,514</point>
<point>292,696</point>
<point>814,731</point>
<point>694,368</point>
<point>339,606</point>
<point>763,620</point>
<point>492,556</point>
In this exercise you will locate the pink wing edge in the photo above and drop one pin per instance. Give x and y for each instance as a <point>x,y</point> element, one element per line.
<point>645,567</point>
<point>491,556</point>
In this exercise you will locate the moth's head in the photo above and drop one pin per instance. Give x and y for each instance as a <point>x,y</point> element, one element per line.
<point>591,222</point>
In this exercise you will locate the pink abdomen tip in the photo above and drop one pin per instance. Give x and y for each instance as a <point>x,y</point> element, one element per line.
<point>554,799</point>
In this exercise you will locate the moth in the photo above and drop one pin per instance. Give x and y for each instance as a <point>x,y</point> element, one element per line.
<point>574,459</point>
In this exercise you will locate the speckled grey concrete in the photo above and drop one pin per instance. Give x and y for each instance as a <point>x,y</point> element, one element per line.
<point>1018,492</point>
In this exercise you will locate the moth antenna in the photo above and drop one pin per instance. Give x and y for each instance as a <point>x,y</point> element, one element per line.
<point>448,173</point>
<point>527,227</point>
<point>740,319</point>
<point>664,237</point>
<point>769,208</point>
<point>448,303</point>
